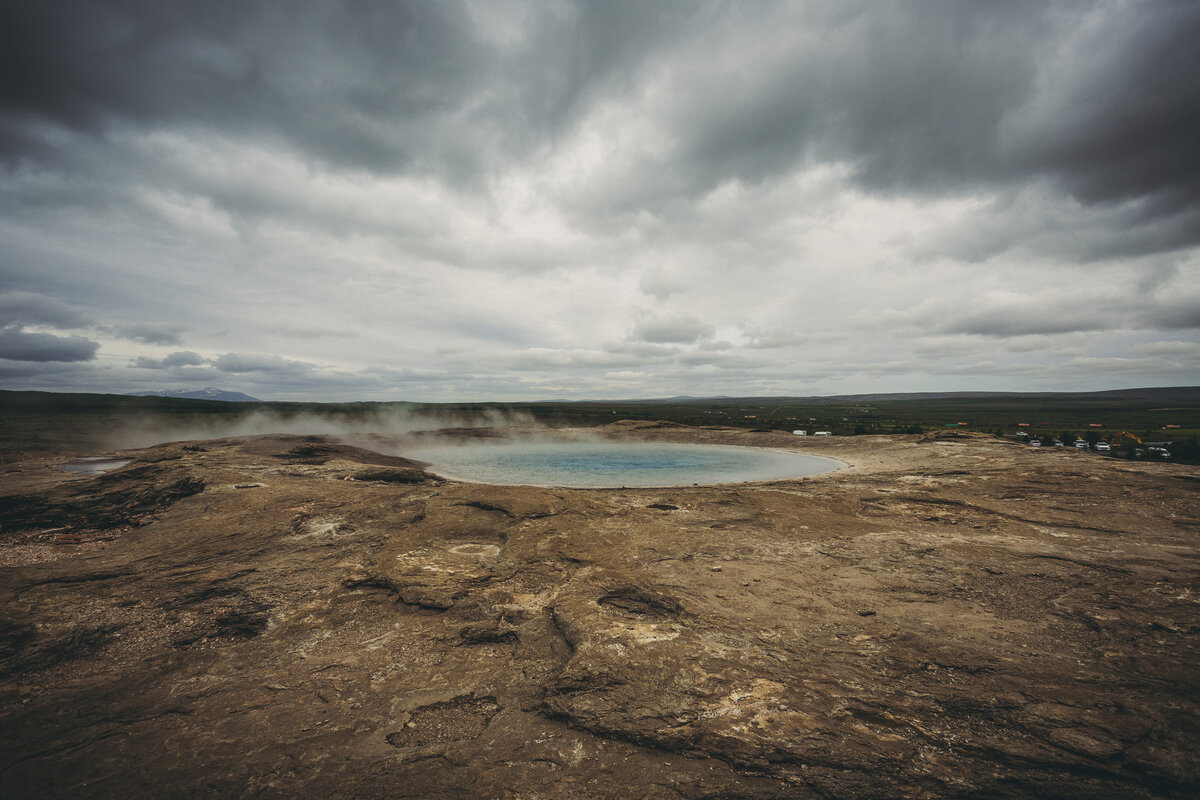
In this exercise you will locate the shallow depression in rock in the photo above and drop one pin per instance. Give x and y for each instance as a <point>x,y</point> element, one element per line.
<point>598,465</point>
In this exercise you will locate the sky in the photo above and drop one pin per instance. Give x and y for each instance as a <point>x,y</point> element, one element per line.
<point>502,200</point>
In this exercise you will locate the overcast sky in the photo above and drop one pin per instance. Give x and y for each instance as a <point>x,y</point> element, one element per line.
<point>533,200</point>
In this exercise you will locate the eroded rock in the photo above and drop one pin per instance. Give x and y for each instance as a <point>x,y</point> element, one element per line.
<point>949,617</point>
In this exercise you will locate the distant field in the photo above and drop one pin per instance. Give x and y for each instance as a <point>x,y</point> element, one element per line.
<point>1054,414</point>
<point>49,422</point>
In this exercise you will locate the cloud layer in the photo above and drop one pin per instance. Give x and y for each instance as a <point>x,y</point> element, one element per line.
<point>469,200</point>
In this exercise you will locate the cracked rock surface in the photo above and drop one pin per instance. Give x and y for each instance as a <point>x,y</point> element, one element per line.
<point>949,616</point>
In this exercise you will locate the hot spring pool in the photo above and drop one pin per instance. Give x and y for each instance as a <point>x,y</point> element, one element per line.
<point>610,464</point>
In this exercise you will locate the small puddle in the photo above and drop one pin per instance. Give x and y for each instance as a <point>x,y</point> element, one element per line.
<point>94,465</point>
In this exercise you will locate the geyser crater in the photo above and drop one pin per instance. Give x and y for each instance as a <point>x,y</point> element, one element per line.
<point>600,465</point>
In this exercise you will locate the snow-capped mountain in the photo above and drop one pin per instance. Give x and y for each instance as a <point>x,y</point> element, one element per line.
<point>208,393</point>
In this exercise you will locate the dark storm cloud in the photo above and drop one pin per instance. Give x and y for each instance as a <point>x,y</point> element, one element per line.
<point>380,86</point>
<point>916,97</point>
<point>958,96</point>
<point>18,345</point>
<point>1127,125</point>
<point>256,68</point>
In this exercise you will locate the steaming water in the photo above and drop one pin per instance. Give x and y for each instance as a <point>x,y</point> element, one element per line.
<point>599,465</point>
<point>94,465</point>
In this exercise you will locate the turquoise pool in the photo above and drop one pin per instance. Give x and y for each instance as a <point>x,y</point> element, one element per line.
<point>610,464</point>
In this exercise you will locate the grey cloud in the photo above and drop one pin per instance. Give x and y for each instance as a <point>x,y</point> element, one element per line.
<point>390,86</point>
<point>47,375</point>
<point>541,358</point>
<point>298,332</point>
<point>918,98</point>
<point>672,330</point>
<point>148,333</point>
<point>858,88</point>
<point>1173,315</point>
<point>1047,314</point>
<point>254,362</point>
<point>642,350</point>
<point>1127,125</point>
<point>773,337</point>
<point>930,98</point>
<point>182,358</point>
<point>721,359</point>
<point>1168,348</point>
<point>468,191</point>
<point>659,285</point>
<point>19,371</point>
<point>18,345</point>
<point>30,308</point>
<point>85,66</point>
<point>1038,317</point>
<point>407,75</point>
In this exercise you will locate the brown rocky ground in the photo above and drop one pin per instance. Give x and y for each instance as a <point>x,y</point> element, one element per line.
<point>286,616</point>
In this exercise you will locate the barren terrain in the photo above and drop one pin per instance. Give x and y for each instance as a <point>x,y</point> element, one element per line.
<point>950,616</point>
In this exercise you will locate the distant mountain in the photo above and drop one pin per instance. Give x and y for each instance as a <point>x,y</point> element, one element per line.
<point>208,393</point>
